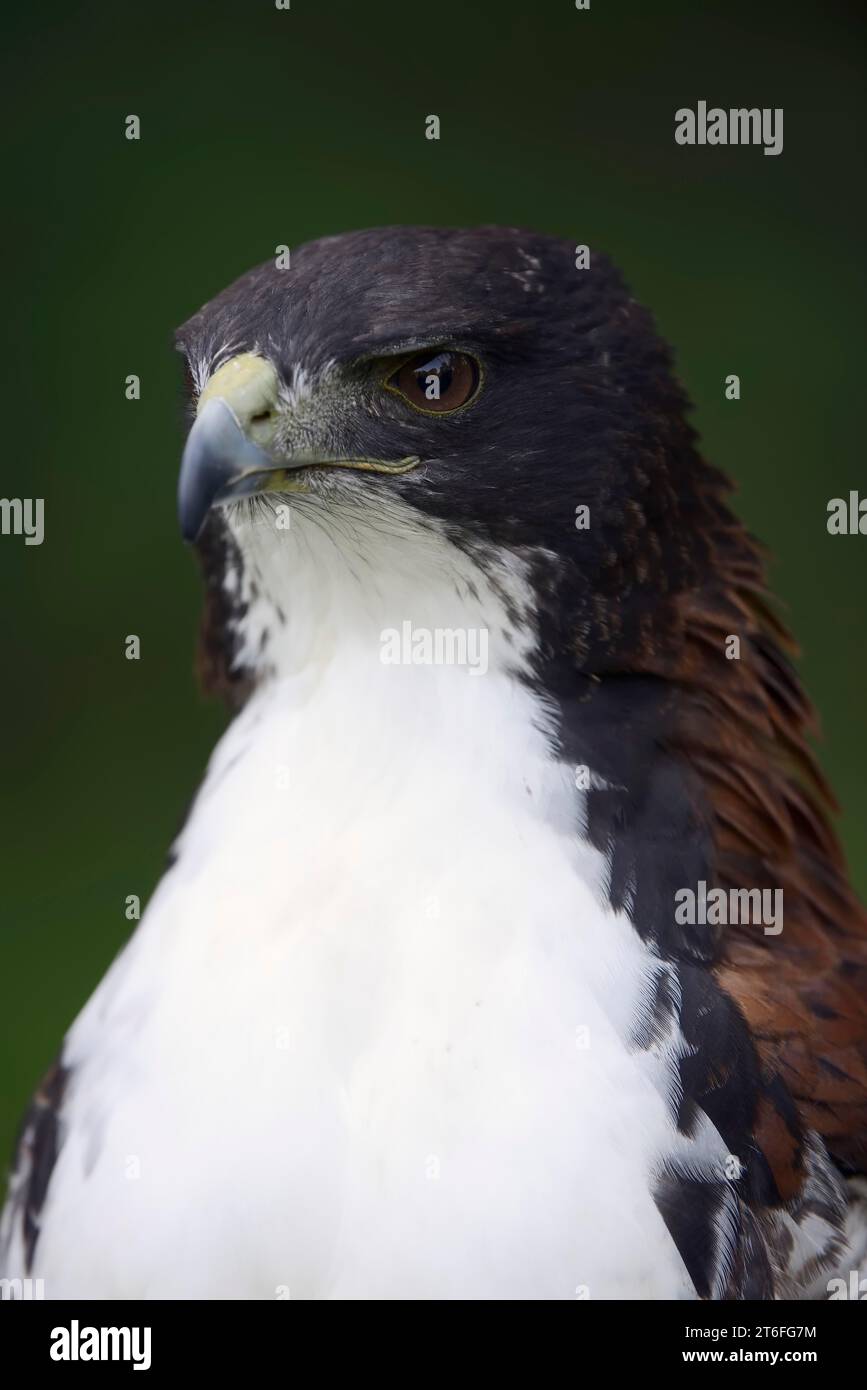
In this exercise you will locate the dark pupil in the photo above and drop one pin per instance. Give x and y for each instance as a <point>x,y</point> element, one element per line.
<point>440,366</point>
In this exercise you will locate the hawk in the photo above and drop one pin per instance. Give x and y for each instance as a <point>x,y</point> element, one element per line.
<point>413,1012</point>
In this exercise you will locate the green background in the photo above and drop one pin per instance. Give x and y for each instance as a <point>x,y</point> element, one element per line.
<point>261,127</point>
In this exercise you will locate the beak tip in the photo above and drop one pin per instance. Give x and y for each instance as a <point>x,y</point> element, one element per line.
<point>193,507</point>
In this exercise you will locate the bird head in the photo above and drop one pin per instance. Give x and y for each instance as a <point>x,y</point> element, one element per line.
<point>487,383</point>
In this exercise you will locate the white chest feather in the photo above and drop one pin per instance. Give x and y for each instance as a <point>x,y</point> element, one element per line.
<point>372,1037</point>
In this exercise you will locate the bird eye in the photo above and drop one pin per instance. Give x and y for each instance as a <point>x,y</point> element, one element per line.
<point>437,382</point>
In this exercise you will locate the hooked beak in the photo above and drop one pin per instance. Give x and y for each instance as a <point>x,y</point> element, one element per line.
<point>219,463</point>
<point>226,450</point>
<point>227,453</point>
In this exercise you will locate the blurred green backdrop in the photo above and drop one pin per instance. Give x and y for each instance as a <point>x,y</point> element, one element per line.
<point>262,126</point>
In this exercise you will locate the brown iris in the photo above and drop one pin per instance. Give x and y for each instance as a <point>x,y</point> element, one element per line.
<point>439,382</point>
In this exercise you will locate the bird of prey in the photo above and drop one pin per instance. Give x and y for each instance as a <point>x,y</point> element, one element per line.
<point>415,1011</point>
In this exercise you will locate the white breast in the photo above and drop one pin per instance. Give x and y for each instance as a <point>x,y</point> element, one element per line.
<point>372,1036</point>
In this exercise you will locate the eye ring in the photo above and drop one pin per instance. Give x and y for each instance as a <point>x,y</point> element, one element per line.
<point>437,381</point>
